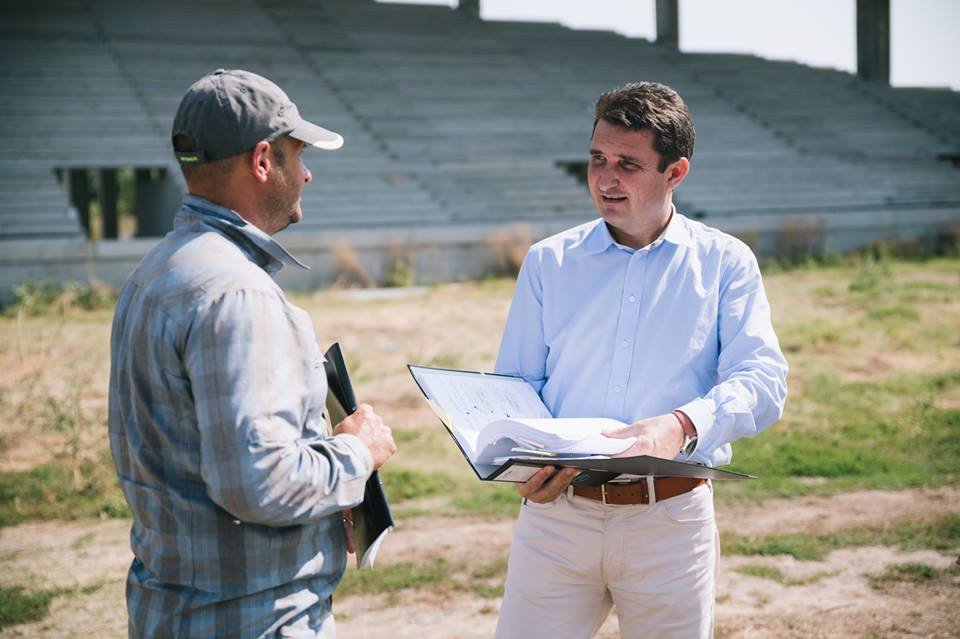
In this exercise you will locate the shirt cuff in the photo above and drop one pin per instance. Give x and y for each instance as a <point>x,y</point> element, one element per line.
<point>700,412</point>
<point>360,452</point>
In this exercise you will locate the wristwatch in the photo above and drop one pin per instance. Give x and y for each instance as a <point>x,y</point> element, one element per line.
<point>689,445</point>
<point>689,441</point>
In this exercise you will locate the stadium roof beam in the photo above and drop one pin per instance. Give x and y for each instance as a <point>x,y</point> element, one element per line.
<point>873,40</point>
<point>668,23</point>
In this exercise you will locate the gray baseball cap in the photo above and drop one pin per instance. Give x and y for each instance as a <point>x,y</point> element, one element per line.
<point>229,111</point>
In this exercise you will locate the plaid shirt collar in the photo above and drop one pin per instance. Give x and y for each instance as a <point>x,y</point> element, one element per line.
<point>260,247</point>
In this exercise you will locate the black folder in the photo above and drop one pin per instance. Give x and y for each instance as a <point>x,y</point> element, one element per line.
<point>595,470</point>
<point>371,519</point>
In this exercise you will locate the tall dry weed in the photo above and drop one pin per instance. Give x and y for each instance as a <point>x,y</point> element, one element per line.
<point>398,265</point>
<point>800,239</point>
<point>350,272</point>
<point>507,248</point>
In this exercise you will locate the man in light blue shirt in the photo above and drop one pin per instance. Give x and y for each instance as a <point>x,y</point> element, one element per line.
<point>658,321</point>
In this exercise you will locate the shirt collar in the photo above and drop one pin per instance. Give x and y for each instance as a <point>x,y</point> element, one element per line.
<point>272,255</point>
<point>599,238</point>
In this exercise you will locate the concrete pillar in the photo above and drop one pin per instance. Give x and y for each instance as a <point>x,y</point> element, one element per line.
<point>142,201</point>
<point>108,203</point>
<point>873,40</point>
<point>156,199</point>
<point>668,23</point>
<point>79,189</point>
<point>469,7</point>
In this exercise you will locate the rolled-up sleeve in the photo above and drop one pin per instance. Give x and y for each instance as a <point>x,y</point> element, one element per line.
<point>253,366</point>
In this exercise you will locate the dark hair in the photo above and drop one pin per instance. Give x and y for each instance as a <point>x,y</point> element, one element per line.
<point>652,106</point>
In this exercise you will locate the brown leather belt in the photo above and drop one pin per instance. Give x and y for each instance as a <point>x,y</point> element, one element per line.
<point>639,492</point>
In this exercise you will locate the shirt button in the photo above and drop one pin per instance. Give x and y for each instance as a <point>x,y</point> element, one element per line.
<point>624,343</point>
<point>617,388</point>
<point>632,298</point>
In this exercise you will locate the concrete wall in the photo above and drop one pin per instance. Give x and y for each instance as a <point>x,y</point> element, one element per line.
<point>448,253</point>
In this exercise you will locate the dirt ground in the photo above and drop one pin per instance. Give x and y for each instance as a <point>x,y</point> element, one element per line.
<point>46,362</point>
<point>830,598</point>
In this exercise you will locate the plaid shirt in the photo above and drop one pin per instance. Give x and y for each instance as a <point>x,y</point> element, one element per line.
<point>217,392</point>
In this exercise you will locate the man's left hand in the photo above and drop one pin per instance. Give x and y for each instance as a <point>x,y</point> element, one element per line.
<point>660,436</point>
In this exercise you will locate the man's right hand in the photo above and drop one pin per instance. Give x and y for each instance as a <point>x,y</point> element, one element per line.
<point>547,484</point>
<point>371,430</point>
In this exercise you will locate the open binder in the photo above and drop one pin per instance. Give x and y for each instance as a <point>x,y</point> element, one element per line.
<point>371,519</point>
<point>467,402</point>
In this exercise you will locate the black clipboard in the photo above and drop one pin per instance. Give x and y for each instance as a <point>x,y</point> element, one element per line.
<point>372,519</point>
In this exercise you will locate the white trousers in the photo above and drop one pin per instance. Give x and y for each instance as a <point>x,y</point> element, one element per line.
<point>574,558</point>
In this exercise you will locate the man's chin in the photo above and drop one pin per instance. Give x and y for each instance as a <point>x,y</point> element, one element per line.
<point>296,215</point>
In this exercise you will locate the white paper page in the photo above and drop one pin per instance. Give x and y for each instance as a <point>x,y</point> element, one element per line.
<point>581,436</point>
<point>473,400</point>
<point>561,429</point>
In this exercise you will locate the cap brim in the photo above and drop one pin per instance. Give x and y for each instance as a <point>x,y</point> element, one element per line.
<point>316,136</point>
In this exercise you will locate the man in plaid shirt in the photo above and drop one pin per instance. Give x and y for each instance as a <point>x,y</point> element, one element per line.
<point>217,391</point>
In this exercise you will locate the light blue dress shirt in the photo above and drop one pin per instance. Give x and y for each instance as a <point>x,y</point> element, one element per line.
<point>604,330</point>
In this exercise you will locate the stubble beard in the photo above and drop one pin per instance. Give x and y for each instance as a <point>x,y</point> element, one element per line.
<point>283,201</point>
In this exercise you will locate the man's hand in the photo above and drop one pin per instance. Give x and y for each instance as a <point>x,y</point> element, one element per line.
<point>371,430</point>
<point>546,485</point>
<point>660,436</point>
<point>348,531</point>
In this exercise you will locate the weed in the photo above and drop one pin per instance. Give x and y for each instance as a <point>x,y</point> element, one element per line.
<point>350,271</point>
<point>764,572</point>
<point>874,269</point>
<point>817,333</point>
<point>67,417</point>
<point>402,484</point>
<point>487,591</point>
<point>18,606</point>
<point>445,360</point>
<point>47,492</point>
<point>800,241</point>
<point>912,573</point>
<point>775,574</point>
<point>482,576</point>
<point>395,577</point>
<point>488,500</point>
<point>749,236</point>
<point>34,298</point>
<point>398,266</point>
<point>908,572</point>
<point>495,568</point>
<point>507,248</point>
<point>943,534</point>
<point>848,434</point>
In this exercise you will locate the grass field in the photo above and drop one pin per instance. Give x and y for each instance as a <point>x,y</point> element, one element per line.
<point>874,411</point>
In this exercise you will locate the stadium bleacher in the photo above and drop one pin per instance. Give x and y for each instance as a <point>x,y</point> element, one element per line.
<point>449,119</point>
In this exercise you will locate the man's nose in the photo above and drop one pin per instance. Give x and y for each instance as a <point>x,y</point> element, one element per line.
<point>307,175</point>
<point>606,180</point>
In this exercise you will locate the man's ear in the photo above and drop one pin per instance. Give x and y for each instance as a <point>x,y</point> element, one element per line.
<point>261,161</point>
<point>676,172</point>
